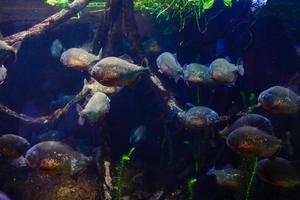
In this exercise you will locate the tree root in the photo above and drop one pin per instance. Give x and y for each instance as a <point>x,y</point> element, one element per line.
<point>45,120</point>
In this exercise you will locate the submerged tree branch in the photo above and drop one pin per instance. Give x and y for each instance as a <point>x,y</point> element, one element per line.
<point>44,120</point>
<point>49,23</point>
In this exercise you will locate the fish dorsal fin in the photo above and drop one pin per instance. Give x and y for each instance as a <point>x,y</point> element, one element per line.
<point>211,171</point>
<point>175,55</point>
<point>240,66</point>
<point>71,143</point>
<point>127,58</point>
<point>16,46</point>
<point>1,36</point>
<point>228,166</point>
<point>189,105</point>
<point>100,54</point>
<point>227,58</point>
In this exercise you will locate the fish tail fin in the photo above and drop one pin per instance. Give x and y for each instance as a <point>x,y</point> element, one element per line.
<point>211,171</point>
<point>240,66</point>
<point>146,70</point>
<point>81,120</point>
<point>176,79</point>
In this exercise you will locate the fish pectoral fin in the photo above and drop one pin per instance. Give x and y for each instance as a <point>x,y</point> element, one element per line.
<point>127,58</point>
<point>135,83</point>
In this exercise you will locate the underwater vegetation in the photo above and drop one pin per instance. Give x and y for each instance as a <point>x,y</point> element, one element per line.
<point>191,126</point>
<point>177,10</point>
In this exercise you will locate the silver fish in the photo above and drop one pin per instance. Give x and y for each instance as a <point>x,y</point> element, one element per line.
<point>251,142</point>
<point>231,178</point>
<point>78,58</point>
<point>279,172</point>
<point>12,146</point>
<point>116,72</point>
<point>95,110</point>
<point>168,64</point>
<point>198,117</point>
<point>56,158</point>
<point>225,72</point>
<point>279,100</point>
<point>197,74</point>
<point>7,51</point>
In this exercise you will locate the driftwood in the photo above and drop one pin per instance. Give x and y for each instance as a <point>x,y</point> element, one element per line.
<point>131,31</point>
<point>45,120</point>
<point>49,23</point>
<point>107,184</point>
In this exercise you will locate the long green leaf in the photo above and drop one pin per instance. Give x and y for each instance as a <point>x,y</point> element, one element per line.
<point>228,3</point>
<point>208,4</point>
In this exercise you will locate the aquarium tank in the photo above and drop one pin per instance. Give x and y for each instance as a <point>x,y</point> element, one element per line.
<point>149,100</point>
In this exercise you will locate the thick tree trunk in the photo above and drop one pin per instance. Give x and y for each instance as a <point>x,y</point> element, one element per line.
<point>131,31</point>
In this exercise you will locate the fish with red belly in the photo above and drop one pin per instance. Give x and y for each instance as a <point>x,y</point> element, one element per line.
<point>56,158</point>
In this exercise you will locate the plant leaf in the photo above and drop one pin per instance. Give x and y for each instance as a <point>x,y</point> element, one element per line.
<point>208,4</point>
<point>228,3</point>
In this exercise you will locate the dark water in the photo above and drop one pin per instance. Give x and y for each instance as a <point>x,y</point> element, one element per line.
<point>171,154</point>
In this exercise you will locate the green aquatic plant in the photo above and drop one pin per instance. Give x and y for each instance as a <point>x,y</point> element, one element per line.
<point>58,3</point>
<point>62,4</point>
<point>179,10</point>
<point>191,183</point>
<point>251,179</point>
<point>124,159</point>
<point>252,101</point>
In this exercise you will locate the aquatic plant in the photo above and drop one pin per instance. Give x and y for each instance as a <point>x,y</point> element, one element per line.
<point>124,159</point>
<point>182,11</point>
<point>191,183</point>
<point>252,101</point>
<point>65,4</point>
<point>251,179</point>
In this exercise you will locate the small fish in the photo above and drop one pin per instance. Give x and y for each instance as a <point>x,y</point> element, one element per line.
<point>12,146</point>
<point>198,117</point>
<point>95,110</point>
<point>3,74</point>
<point>57,48</point>
<point>56,158</point>
<point>151,46</point>
<point>94,86</point>
<point>197,74</point>
<point>53,135</point>
<point>7,51</point>
<point>234,179</point>
<point>168,64</point>
<point>279,100</point>
<point>249,141</point>
<point>60,101</point>
<point>138,136</point>
<point>116,72</point>
<point>78,58</point>
<point>225,72</point>
<point>279,172</point>
<point>3,196</point>
<point>254,120</point>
